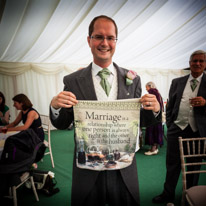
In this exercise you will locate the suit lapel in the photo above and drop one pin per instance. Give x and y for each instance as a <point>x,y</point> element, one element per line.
<point>181,87</point>
<point>183,82</point>
<point>122,92</point>
<point>86,85</point>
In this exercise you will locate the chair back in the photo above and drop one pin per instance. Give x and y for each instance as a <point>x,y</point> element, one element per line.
<point>194,150</point>
<point>46,124</point>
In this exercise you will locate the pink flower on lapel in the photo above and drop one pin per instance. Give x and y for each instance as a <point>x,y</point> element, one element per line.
<point>130,76</point>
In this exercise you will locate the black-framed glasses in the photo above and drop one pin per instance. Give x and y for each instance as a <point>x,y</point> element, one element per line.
<point>111,39</point>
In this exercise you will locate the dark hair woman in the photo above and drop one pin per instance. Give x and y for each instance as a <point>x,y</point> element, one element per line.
<point>28,115</point>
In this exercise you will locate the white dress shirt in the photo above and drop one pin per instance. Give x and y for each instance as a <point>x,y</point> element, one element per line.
<point>112,79</point>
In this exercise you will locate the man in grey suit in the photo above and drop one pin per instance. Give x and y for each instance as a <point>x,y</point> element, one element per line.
<point>112,187</point>
<point>186,117</point>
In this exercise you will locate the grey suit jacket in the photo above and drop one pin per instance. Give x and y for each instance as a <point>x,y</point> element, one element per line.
<point>175,95</point>
<point>81,84</point>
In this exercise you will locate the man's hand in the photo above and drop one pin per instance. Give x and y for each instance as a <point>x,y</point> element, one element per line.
<point>149,102</point>
<point>198,102</point>
<point>64,99</point>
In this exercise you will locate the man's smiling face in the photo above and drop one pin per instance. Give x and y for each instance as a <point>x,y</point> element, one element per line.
<point>197,65</point>
<point>103,50</point>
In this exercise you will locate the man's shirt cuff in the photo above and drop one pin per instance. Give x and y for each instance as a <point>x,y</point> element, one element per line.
<point>54,112</point>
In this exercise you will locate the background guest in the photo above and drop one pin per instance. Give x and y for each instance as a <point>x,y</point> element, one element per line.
<point>28,115</point>
<point>4,111</point>
<point>154,134</point>
<point>185,117</point>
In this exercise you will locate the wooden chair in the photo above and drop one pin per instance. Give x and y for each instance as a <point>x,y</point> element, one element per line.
<point>46,124</point>
<point>24,177</point>
<point>193,148</point>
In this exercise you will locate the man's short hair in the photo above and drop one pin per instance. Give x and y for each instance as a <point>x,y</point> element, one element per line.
<point>198,52</point>
<point>91,26</point>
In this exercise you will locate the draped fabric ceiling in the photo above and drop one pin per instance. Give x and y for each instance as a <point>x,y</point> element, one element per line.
<point>43,40</point>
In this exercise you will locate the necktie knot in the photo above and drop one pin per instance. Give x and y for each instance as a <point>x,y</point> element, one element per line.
<point>194,83</point>
<point>104,74</point>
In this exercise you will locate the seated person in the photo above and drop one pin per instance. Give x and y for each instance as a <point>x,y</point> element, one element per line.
<point>28,115</point>
<point>4,111</point>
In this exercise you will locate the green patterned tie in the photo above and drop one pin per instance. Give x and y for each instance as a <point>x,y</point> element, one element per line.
<point>104,74</point>
<point>193,84</point>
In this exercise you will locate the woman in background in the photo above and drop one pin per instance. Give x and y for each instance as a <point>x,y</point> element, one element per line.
<point>154,134</point>
<point>4,111</point>
<point>28,115</point>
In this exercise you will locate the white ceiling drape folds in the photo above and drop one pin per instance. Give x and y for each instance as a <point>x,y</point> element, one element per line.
<point>43,40</point>
<point>152,33</point>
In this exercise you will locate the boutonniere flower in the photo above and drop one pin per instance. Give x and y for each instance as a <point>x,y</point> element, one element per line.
<point>130,76</point>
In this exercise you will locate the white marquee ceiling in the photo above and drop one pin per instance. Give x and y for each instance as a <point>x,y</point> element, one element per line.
<point>152,33</point>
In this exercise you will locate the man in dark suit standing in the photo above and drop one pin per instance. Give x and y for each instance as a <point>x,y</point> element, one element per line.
<point>186,117</point>
<point>112,187</point>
